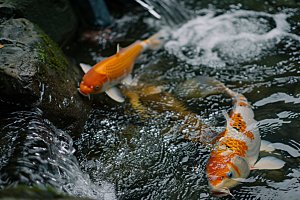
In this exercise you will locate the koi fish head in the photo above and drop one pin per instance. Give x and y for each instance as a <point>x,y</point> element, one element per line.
<point>225,172</point>
<point>92,83</point>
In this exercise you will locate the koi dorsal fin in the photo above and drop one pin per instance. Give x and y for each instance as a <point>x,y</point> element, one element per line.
<point>118,50</point>
<point>121,50</point>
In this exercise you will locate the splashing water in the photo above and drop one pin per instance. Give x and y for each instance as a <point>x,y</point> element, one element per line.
<point>234,37</point>
<point>34,152</point>
<point>171,12</point>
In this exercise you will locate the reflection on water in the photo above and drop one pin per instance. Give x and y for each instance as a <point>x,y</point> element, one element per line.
<point>34,152</point>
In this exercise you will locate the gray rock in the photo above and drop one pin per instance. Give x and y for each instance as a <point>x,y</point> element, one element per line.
<point>35,73</point>
<point>56,18</point>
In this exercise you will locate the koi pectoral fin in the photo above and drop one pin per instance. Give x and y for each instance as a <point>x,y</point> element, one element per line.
<point>85,67</point>
<point>268,162</point>
<point>268,146</point>
<point>115,94</point>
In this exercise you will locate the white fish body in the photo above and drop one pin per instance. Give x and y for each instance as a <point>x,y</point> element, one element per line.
<point>236,149</point>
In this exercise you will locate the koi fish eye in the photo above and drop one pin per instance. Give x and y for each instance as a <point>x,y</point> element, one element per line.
<point>222,177</point>
<point>97,87</point>
<point>229,175</point>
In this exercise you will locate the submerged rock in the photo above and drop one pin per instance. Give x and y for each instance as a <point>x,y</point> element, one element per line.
<point>25,192</point>
<point>35,73</point>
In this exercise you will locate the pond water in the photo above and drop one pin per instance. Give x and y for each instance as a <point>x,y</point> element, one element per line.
<point>125,153</point>
<point>253,52</point>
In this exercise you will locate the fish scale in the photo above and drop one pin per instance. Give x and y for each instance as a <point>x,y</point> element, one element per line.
<point>241,117</point>
<point>116,68</point>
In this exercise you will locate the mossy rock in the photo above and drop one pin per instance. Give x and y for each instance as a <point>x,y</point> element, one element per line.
<point>34,72</point>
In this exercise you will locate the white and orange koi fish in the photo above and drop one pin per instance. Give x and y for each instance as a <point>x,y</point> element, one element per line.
<point>237,148</point>
<point>103,76</point>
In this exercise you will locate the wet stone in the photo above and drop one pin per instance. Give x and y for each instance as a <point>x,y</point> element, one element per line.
<point>35,73</point>
<point>4,10</point>
<point>56,18</point>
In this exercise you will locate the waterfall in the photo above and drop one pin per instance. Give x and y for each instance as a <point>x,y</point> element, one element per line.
<point>171,12</point>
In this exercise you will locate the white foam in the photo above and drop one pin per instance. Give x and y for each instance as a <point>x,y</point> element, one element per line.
<point>233,37</point>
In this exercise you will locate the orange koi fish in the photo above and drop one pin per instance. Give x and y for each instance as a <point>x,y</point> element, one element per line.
<point>103,76</point>
<point>237,148</point>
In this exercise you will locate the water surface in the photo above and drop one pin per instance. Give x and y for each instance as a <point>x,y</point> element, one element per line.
<point>255,53</point>
<point>140,152</point>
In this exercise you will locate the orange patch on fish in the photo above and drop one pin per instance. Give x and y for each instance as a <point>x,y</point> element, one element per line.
<point>231,113</point>
<point>238,123</point>
<point>242,98</point>
<point>221,158</point>
<point>232,94</point>
<point>1,46</point>
<point>244,104</point>
<point>223,134</point>
<point>218,168</point>
<point>249,134</point>
<point>237,146</point>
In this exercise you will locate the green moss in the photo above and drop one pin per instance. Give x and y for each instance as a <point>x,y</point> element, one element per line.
<point>41,68</point>
<point>49,48</point>
<point>50,54</point>
<point>75,72</point>
<point>45,38</point>
<point>64,60</point>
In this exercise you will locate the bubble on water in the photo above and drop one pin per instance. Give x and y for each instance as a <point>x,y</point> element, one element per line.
<point>233,37</point>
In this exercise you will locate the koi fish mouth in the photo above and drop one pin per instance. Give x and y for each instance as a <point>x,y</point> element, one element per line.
<point>221,192</point>
<point>86,95</point>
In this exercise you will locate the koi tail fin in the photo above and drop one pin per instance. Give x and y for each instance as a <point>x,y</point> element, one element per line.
<point>158,39</point>
<point>155,41</point>
<point>202,86</point>
<point>212,86</point>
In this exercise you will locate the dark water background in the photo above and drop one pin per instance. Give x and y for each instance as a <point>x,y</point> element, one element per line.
<point>253,48</point>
